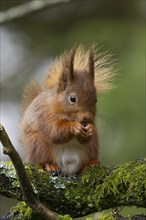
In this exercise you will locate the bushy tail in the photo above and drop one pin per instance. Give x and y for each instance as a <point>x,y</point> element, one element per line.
<point>30,93</point>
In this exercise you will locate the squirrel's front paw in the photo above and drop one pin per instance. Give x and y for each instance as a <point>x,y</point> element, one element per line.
<point>89,130</point>
<point>78,130</point>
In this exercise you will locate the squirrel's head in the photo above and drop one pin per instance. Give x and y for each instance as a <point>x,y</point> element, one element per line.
<point>77,93</point>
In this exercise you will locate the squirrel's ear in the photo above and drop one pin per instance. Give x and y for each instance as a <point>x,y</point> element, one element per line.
<point>91,63</point>
<point>67,74</point>
<point>62,81</point>
<point>70,65</point>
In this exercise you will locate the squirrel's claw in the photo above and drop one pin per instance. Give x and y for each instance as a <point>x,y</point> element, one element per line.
<point>94,163</point>
<point>52,167</point>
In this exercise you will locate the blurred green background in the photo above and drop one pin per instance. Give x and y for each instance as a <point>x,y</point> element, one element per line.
<point>29,43</point>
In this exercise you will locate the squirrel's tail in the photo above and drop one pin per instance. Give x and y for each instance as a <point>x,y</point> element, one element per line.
<point>30,93</point>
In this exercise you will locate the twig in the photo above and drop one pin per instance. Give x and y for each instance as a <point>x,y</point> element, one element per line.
<point>27,8</point>
<point>30,197</point>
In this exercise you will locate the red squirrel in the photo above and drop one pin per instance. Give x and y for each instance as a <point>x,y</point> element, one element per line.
<point>58,129</point>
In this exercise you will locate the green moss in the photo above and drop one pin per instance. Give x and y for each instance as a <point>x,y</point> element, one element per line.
<point>25,212</point>
<point>7,169</point>
<point>9,172</point>
<point>130,185</point>
<point>111,185</point>
<point>64,217</point>
<point>82,193</point>
<point>108,216</point>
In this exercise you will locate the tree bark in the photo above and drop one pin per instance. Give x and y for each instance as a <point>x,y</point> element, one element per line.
<point>22,211</point>
<point>96,189</point>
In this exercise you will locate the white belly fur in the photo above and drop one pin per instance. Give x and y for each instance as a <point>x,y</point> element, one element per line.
<point>68,156</point>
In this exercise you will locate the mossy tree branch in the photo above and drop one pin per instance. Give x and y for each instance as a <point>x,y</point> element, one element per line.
<point>22,211</point>
<point>94,190</point>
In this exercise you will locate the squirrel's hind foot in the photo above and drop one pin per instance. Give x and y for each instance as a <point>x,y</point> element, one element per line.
<point>52,168</point>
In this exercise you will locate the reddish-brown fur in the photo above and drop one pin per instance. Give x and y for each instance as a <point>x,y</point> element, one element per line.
<point>58,133</point>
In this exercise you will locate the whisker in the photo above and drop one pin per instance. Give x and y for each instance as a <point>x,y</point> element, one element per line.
<point>105,120</point>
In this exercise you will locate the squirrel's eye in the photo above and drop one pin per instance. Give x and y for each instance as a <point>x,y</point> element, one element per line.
<point>73,98</point>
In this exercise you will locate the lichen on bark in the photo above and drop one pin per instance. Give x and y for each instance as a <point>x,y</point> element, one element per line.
<point>94,190</point>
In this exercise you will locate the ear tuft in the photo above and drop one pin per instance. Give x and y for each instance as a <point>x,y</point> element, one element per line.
<point>70,64</point>
<point>67,73</point>
<point>62,81</point>
<point>91,63</point>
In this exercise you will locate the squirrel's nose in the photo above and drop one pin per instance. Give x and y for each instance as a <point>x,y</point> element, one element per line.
<point>85,121</point>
